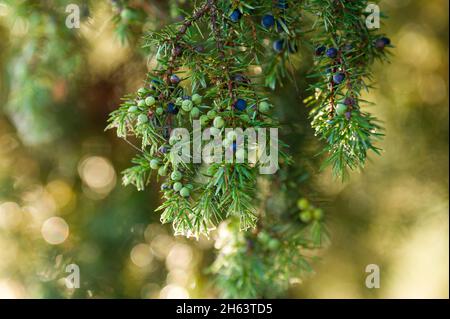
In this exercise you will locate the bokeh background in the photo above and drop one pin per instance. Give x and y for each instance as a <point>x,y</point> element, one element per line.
<point>61,200</point>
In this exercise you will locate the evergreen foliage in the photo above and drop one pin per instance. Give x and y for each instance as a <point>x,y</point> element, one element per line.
<point>222,60</point>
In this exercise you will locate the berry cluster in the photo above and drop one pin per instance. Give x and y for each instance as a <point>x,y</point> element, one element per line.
<point>308,212</point>
<point>215,80</point>
<point>162,105</point>
<point>267,241</point>
<point>151,109</point>
<point>270,21</point>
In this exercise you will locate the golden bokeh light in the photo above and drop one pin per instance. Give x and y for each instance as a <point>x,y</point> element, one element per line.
<point>174,292</point>
<point>61,192</point>
<point>55,230</point>
<point>141,255</point>
<point>10,215</point>
<point>98,174</point>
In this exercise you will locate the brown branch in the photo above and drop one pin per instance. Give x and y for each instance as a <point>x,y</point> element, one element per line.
<point>220,46</point>
<point>176,50</point>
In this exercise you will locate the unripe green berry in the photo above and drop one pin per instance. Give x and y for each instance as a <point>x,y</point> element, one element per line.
<point>162,171</point>
<point>264,237</point>
<point>195,112</point>
<point>142,118</point>
<point>150,101</point>
<point>264,107</point>
<point>317,214</point>
<point>218,122</point>
<point>185,192</point>
<point>177,186</point>
<point>273,244</point>
<point>141,103</point>
<point>303,204</point>
<point>306,216</point>
<point>211,114</point>
<point>341,108</point>
<point>186,105</point>
<point>179,101</point>
<point>176,176</point>
<point>141,91</point>
<point>159,111</point>
<point>197,99</point>
<point>245,117</point>
<point>154,163</point>
<point>204,119</point>
<point>132,109</point>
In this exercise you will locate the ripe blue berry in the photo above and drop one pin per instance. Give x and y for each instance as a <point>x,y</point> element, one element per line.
<point>176,51</point>
<point>172,108</point>
<point>332,53</point>
<point>268,21</point>
<point>382,42</point>
<point>163,149</point>
<point>236,15</point>
<point>278,45</point>
<point>338,78</point>
<point>234,147</point>
<point>174,79</point>
<point>240,105</point>
<point>349,101</point>
<point>320,50</point>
